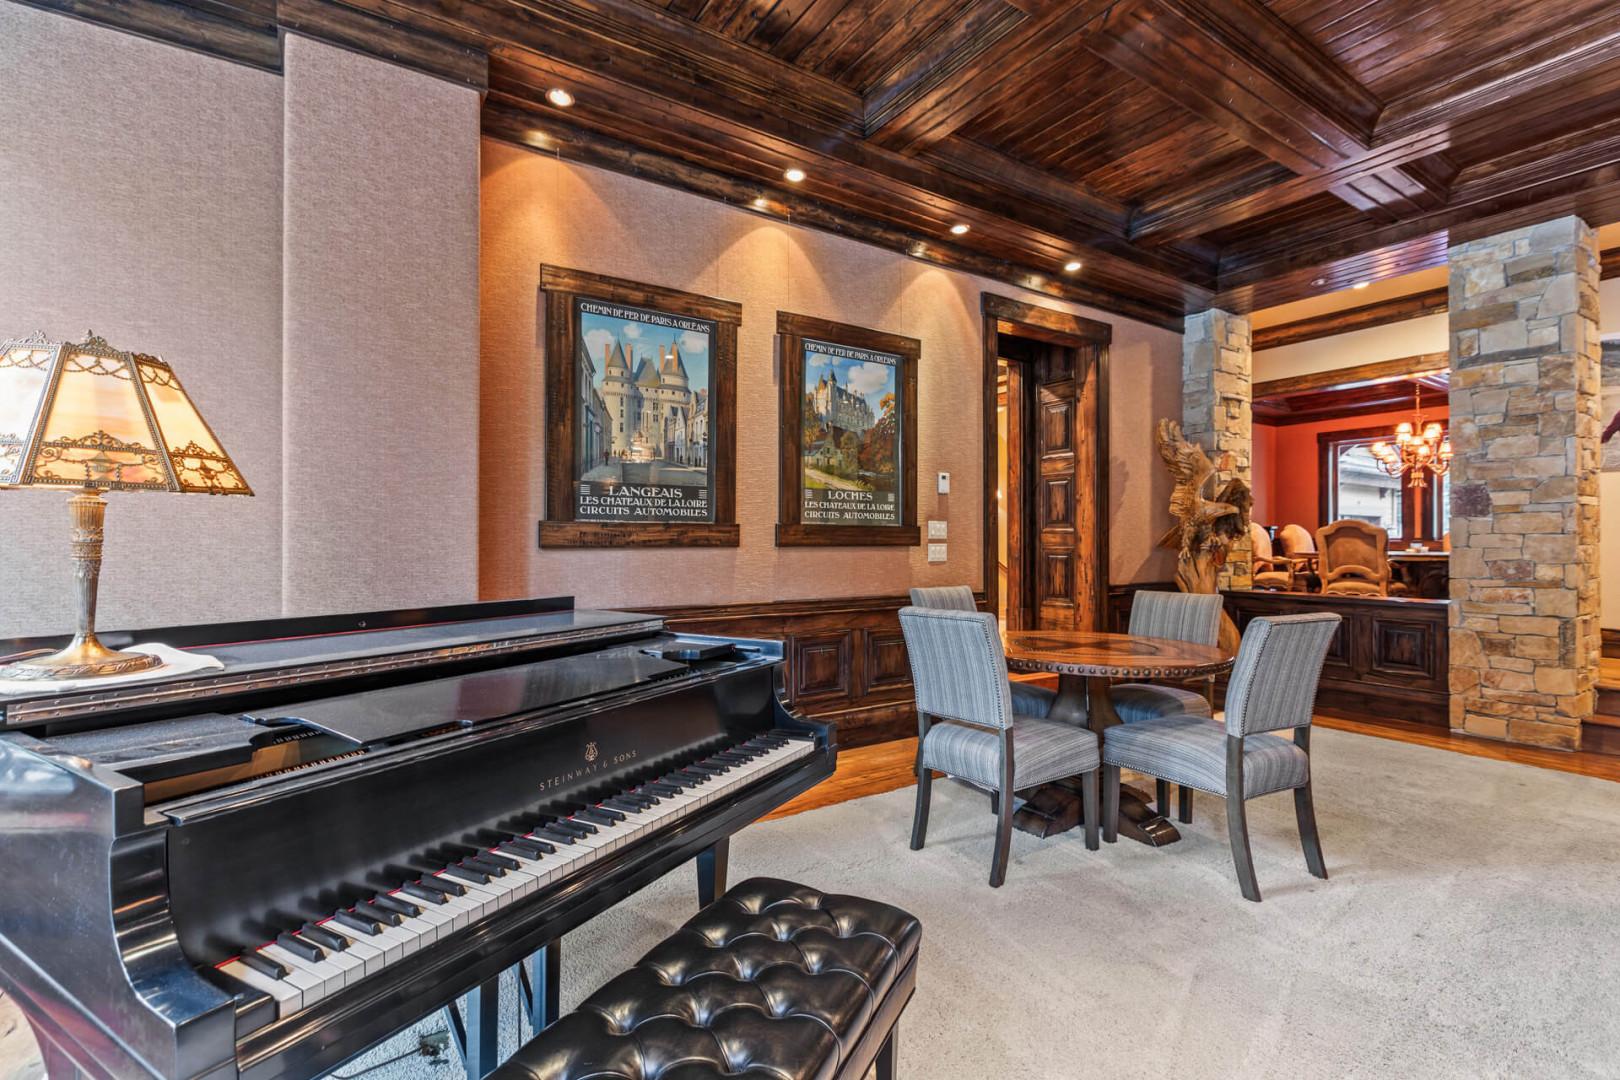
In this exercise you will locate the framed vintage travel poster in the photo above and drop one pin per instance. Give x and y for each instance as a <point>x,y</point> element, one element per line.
<point>640,394</point>
<point>849,434</point>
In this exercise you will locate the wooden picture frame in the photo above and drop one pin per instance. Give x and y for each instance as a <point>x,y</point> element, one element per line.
<point>571,298</point>
<point>793,331</point>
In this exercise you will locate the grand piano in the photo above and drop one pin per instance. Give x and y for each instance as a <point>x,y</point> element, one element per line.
<point>259,871</point>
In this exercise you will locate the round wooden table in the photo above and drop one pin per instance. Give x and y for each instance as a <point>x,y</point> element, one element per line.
<point>1086,663</point>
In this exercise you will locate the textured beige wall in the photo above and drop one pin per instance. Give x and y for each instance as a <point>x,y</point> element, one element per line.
<point>536,209</point>
<point>140,196</point>
<point>380,325</point>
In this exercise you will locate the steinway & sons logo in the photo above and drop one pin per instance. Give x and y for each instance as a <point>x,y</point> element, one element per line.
<point>590,752</point>
<point>595,762</point>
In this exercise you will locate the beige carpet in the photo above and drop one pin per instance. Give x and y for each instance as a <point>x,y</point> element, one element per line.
<point>1471,928</point>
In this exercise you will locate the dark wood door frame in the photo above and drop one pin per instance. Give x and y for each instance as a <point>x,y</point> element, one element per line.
<point>1004,315</point>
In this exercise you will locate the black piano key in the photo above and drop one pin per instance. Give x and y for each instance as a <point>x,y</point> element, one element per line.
<point>424,892</point>
<point>659,787</point>
<point>390,902</point>
<point>377,914</point>
<point>439,885</point>
<point>466,873</point>
<point>694,776</point>
<point>703,768</point>
<point>502,861</point>
<point>323,937</point>
<point>261,963</point>
<point>574,828</point>
<point>558,835</point>
<point>605,819</point>
<point>528,849</point>
<point>354,921</point>
<point>625,805</point>
<point>731,757</point>
<point>306,950</point>
<point>484,866</point>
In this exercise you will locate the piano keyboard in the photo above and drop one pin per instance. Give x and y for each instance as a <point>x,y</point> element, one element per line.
<point>307,963</point>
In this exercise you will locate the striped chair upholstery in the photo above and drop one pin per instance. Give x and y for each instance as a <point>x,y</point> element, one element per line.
<point>1272,688</point>
<point>1028,699</point>
<point>959,673</point>
<point>1179,616</point>
<point>945,598</point>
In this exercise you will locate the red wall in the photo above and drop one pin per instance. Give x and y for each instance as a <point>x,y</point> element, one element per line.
<point>1287,468</point>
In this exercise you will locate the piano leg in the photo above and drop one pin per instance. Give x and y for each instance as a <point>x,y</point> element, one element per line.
<point>540,976</point>
<point>711,871</point>
<point>58,1066</point>
<point>478,1039</point>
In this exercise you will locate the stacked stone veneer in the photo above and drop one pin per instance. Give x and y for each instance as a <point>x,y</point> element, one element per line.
<point>1524,484</point>
<point>1217,376</point>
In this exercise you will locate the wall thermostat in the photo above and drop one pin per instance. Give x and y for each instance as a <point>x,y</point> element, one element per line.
<point>944,483</point>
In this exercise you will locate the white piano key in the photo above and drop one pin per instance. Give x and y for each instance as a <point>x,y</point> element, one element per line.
<point>287,997</point>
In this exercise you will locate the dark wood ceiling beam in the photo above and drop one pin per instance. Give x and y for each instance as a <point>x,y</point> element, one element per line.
<point>1244,69</point>
<point>1403,367</point>
<point>339,25</point>
<point>513,121</point>
<point>244,33</point>
<point>1382,313</point>
<point>921,102</point>
<point>759,150</point>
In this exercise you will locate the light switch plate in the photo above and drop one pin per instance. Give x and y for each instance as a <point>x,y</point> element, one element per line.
<point>936,530</point>
<point>944,483</point>
<point>936,552</point>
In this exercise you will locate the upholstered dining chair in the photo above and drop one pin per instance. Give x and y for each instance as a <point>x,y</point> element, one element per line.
<point>1270,571</point>
<point>968,728</point>
<point>1272,689</point>
<point>1179,616</point>
<point>1028,699</point>
<point>1355,558</point>
<point>1299,547</point>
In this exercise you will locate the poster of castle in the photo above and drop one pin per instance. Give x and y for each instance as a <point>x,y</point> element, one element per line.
<point>642,421</point>
<point>850,436</point>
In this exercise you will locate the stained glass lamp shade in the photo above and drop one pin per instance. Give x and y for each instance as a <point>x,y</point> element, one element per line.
<point>91,418</point>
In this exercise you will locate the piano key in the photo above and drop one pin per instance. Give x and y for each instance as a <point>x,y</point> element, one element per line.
<point>352,921</point>
<point>312,986</point>
<point>441,885</point>
<point>360,946</point>
<point>505,862</point>
<point>466,875</point>
<point>323,937</point>
<point>287,997</point>
<point>299,947</point>
<point>423,893</point>
<point>263,965</point>
<point>390,902</point>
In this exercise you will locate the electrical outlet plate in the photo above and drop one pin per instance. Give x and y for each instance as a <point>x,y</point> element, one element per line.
<point>944,483</point>
<point>936,552</point>
<point>936,530</point>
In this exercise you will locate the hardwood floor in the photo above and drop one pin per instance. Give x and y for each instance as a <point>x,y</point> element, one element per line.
<point>872,770</point>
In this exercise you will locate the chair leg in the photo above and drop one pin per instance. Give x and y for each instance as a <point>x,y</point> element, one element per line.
<point>998,862</point>
<point>919,821</point>
<point>885,1058</point>
<point>1237,827</point>
<point>995,802</point>
<point>1161,798</point>
<point>1305,814</point>
<point>1110,810</point>
<point>1088,798</point>
<point>1186,804</point>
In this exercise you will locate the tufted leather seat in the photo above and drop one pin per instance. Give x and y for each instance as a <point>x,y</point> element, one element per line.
<point>772,981</point>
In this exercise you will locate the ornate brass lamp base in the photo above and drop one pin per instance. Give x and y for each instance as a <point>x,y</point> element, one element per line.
<point>85,657</point>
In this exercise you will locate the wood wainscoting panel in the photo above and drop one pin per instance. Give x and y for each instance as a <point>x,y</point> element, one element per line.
<point>1389,660</point>
<point>845,659</point>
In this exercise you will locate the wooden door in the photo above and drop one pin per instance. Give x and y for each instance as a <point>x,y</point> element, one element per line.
<point>1065,592</point>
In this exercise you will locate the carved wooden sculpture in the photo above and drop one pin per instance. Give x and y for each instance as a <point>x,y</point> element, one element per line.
<point>1205,529</point>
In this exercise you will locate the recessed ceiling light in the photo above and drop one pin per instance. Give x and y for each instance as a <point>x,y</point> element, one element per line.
<point>1318,281</point>
<point>793,175</point>
<point>760,203</point>
<point>958,229</point>
<point>559,97</point>
<point>1361,285</point>
<point>1071,266</point>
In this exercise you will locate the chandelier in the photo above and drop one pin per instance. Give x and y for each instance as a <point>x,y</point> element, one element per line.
<point>1418,449</point>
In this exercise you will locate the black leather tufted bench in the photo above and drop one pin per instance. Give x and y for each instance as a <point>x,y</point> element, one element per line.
<point>773,981</point>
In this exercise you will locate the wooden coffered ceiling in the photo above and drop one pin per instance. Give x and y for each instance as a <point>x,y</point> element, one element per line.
<point>1242,153</point>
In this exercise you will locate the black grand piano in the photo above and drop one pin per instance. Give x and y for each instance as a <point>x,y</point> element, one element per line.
<point>262,870</point>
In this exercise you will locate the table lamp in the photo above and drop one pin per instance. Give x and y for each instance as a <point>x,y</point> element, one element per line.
<point>90,418</point>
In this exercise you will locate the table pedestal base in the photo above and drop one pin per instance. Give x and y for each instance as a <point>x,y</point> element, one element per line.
<point>1057,807</point>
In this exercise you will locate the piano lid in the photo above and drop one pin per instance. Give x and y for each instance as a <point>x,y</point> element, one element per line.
<point>285,650</point>
<point>375,717</point>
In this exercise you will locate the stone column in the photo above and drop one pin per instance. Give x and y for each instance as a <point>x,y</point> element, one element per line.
<point>1217,372</point>
<point>1524,483</point>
